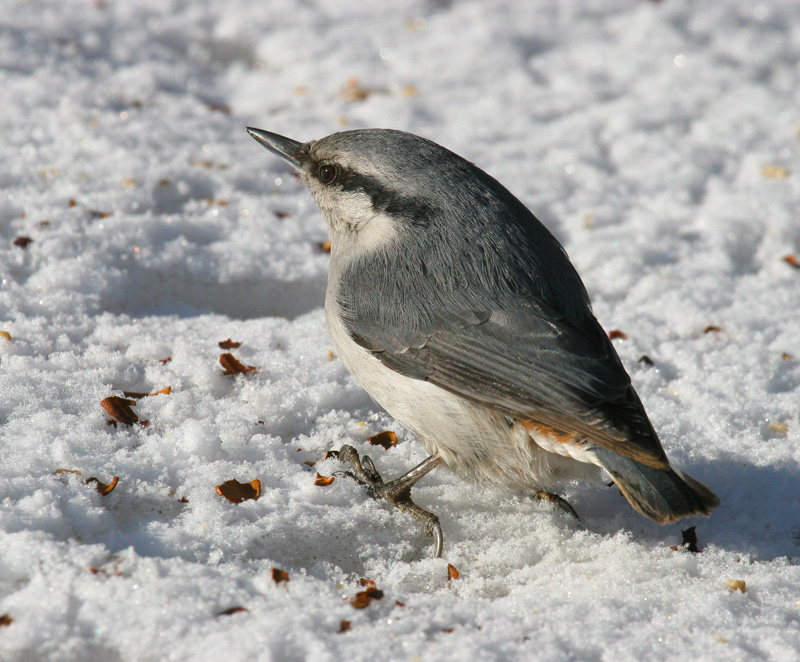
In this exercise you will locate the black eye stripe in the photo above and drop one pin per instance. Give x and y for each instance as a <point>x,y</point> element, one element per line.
<point>416,210</point>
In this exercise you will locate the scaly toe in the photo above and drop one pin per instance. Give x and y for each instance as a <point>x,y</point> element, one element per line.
<point>363,470</point>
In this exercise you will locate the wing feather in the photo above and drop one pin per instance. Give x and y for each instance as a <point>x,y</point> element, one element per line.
<point>529,367</point>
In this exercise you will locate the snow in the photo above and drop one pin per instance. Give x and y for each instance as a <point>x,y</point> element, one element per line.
<point>658,140</point>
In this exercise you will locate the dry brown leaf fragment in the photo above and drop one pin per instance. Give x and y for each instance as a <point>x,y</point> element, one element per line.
<point>792,260</point>
<point>94,213</point>
<point>447,630</point>
<point>331,454</point>
<point>344,626</point>
<point>279,576</point>
<point>23,242</point>
<point>309,463</point>
<point>367,583</point>
<point>136,395</point>
<point>786,356</point>
<point>646,360</point>
<point>773,171</point>
<point>109,569</point>
<point>736,585</point>
<point>616,333</point>
<point>360,601</point>
<point>67,471</point>
<point>5,620</point>
<point>102,487</point>
<point>712,328</point>
<point>397,603</point>
<point>72,202</point>
<point>232,610</point>
<point>387,439</point>
<point>237,492</point>
<point>229,344</point>
<point>452,572</point>
<point>325,246</point>
<point>323,481</point>
<point>6,336</point>
<point>281,214</point>
<point>120,410</point>
<point>353,91</point>
<point>778,427</point>
<point>233,367</point>
<point>218,107</point>
<point>363,598</point>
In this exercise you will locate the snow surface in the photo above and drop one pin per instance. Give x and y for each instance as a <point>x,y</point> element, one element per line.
<point>658,140</point>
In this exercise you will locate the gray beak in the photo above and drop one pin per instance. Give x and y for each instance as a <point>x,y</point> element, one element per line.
<point>285,148</point>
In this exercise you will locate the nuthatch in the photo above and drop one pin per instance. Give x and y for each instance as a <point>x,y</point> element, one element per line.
<point>462,316</point>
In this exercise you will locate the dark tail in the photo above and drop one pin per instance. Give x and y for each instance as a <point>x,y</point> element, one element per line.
<point>663,495</point>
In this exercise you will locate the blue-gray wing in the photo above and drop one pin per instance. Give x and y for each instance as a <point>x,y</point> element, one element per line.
<point>475,295</point>
<point>528,363</point>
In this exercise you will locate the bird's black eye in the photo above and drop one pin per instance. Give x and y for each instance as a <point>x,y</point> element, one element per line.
<point>327,174</point>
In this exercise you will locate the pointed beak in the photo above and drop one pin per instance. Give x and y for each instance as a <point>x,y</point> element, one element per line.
<point>285,148</point>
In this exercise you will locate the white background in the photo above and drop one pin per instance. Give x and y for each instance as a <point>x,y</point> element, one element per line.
<point>637,131</point>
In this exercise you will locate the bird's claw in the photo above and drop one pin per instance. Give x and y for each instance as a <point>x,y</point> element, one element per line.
<point>559,502</point>
<point>396,492</point>
<point>438,539</point>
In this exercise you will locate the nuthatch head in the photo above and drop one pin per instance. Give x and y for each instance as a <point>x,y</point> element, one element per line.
<point>461,314</point>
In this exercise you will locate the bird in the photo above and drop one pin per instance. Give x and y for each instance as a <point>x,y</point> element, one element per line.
<point>461,315</point>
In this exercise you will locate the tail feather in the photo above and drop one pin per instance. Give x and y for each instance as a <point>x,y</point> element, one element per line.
<point>663,495</point>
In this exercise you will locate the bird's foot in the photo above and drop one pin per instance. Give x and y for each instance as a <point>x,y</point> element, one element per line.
<point>558,501</point>
<point>398,491</point>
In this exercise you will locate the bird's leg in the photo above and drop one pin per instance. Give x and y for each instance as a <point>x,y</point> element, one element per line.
<point>398,491</point>
<point>560,502</point>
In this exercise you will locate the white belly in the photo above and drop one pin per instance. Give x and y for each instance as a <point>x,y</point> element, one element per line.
<point>477,443</point>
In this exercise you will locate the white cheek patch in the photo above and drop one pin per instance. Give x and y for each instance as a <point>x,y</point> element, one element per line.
<point>376,233</point>
<point>353,206</point>
<point>355,226</point>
